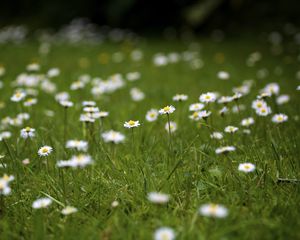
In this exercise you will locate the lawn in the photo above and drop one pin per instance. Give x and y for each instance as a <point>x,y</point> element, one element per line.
<point>111,195</point>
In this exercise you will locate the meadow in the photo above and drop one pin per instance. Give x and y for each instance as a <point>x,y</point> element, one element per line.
<point>144,181</point>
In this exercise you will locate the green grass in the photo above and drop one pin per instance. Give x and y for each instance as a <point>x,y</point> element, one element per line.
<point>259,207</point>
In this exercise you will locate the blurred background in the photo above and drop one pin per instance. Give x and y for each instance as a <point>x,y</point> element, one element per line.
<point>153,16</point>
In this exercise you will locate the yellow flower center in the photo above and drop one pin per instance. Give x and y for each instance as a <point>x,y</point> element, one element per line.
<point>27,129</point>
<point>44,150</point>
<point>131,123</point>
<point>167,108</point>
<point>207,97</point>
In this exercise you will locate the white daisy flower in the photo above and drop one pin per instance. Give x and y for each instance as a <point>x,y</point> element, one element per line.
<point>208,97</point>
<point>164,233</point>
<point>225,99</point>
<point>68,210</point>
<point>159,198</point>
<point>223,111</point>
<point>81,160</point>
<point>152,115</point>
<point>18,96</point>
<point>79,145</point>
<point>66,103</point>
<point>264,111</point>
<point>132,124</point>
<point>133,76</point>
<point>30,101</point>
<point>136,94</point>
<point>114,204</point>
<point>53,72</point>
<point>173,126</point>
<point>41,203</point>
<point>223,75</point>
<point>272,88</point>
<point>247,122</point>
<point>91,109</point>
<point>279,118</point>
<point>33,67</point>
<point>45,151</point>
<point>113,137</point>
<point>196,107</point>
<point>216,135</point>
<point>213,210</point>
<point>27,133</point>
<point>5,135</point>
<point>258,103</point>
<point>88,103</point>
<point>282,99</point>
<point>246,167</point>
<point>231,129</point>
<point>225,149</point>
<point>180,97</point>
<point>167,110</point>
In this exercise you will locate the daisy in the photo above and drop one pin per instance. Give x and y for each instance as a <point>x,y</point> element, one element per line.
<point>18,96</point>
<point>225,99</point>
<point>263,95</point>
<point>196,107</point>
<point>53,72</point>
<point>264,111</point>
<point>237,96</point>
<point>223,75</point>
<point>180,97</point>
<point>4,184</point>
<point>131,124</point>
<point>279,118</point>
<point>247,122</point>
<point>213,210</point>
<point>259,103</point>
<point>216,135</point>
<point>133,76</point>
<point>167,110</point>
<point>204,114</point>
<point>152,115</point>
<point>246,167</point>
<point>41,203</point>
<point>68,210</point>
<point>159,198</point>
<point>81,160</point>
<point>225,149</point>
<point>86,118</point>
<point>45,151</point>
<point>114,204</point>
<point>29,102</point>
<point>88,103</point>
<point>66,103</point>
<point>208,97</point>
<point>282,99</point>
<point>33,67</point>
<point>113,136</point>
<point>79,145</point>
<point>173,126</point>
<point>5,135</point>
<point>223,111</point>
<point>195,116</point>
<point>27,133</point>
<point>136,94</point>
<point>102,114</point>
<point>231,129</point>
<point>272,88</point>
<point>164,233</point>
<point>91,109</point>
